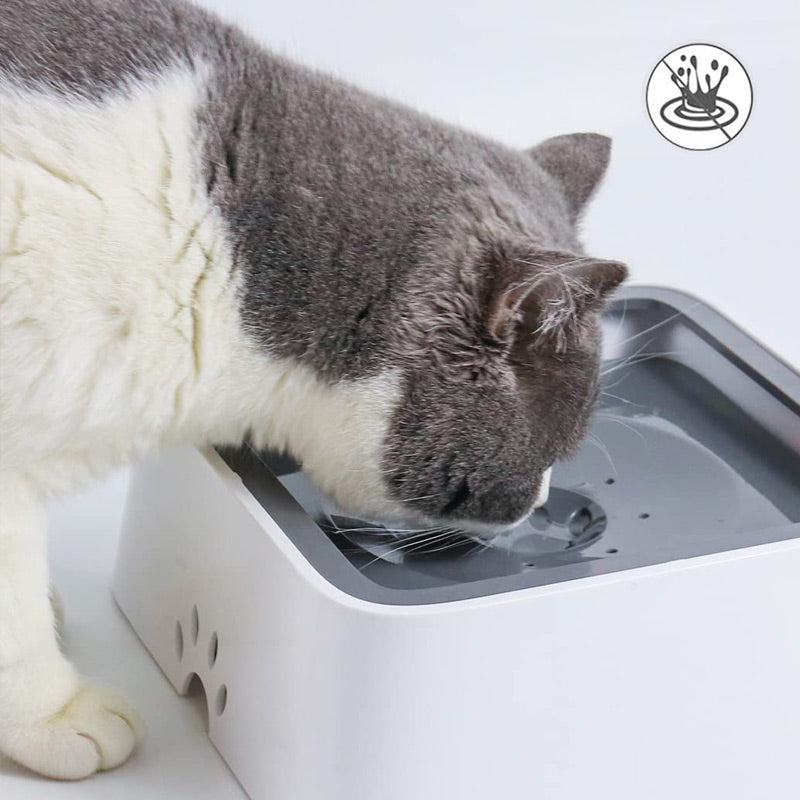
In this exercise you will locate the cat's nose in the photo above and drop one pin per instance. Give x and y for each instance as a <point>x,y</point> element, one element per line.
<point>544,489</point>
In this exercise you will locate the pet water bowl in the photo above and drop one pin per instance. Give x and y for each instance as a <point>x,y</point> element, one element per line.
<point>637,637</point>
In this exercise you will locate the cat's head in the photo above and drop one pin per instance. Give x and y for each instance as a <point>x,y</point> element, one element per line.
<point>494,366</point>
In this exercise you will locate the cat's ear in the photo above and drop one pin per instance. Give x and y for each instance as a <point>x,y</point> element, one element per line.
<point>578,161</point>
<point>555,290</point>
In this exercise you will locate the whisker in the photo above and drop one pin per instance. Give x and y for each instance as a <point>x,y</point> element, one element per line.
<point>458,540</point>
<point>658,324</point>
<point>376,529</point>
<point>622,399</point>
<point>623,360</point>
<point>619,381</point>
<point>640,360</point>
<point>425,546</point>
<point>415,543</point>
<point>422,497</point>
<point>622,316</point>
<point>598,442</point>
<point>476,547</point>
<point>614,418</point>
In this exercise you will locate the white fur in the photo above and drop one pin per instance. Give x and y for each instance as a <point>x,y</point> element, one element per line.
<point>543,492</point>
<point>119,334</point>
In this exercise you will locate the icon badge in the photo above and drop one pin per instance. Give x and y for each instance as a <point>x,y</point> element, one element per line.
<point>699,96</point>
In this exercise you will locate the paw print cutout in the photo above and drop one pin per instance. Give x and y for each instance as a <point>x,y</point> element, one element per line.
<point>199,659</point>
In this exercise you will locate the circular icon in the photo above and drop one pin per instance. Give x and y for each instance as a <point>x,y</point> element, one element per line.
<point>699,96</point>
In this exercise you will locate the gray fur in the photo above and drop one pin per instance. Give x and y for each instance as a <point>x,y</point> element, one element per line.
<point>578,161</point>
<point>371,236</point>
<point>91,47</point>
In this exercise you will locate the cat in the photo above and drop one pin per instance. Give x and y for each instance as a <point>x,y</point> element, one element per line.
<point>204,243</point>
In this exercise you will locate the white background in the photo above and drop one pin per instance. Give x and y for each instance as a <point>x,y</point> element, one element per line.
<point>722,224</point>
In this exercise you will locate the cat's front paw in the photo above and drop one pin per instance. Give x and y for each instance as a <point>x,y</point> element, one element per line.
<point>95,730</point>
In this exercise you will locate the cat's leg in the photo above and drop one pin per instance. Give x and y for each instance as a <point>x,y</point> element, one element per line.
<point>49,721</point>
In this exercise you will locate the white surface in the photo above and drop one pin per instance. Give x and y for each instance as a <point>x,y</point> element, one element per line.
<point>721,224</point>
<point>554,684</point>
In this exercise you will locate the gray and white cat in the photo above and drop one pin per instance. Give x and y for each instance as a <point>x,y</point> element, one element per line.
<point>202,242</point>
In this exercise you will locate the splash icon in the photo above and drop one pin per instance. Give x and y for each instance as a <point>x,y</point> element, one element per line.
<point>697,109</point>
<point>699,96</point>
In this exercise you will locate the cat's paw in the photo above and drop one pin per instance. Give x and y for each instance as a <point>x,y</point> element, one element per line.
<point>96,730</point>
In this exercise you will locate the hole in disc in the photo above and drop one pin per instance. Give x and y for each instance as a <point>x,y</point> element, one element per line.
<point>213,647</point>
<point>221,700</point>
<point>195,630</point>
<point>178,640</point>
